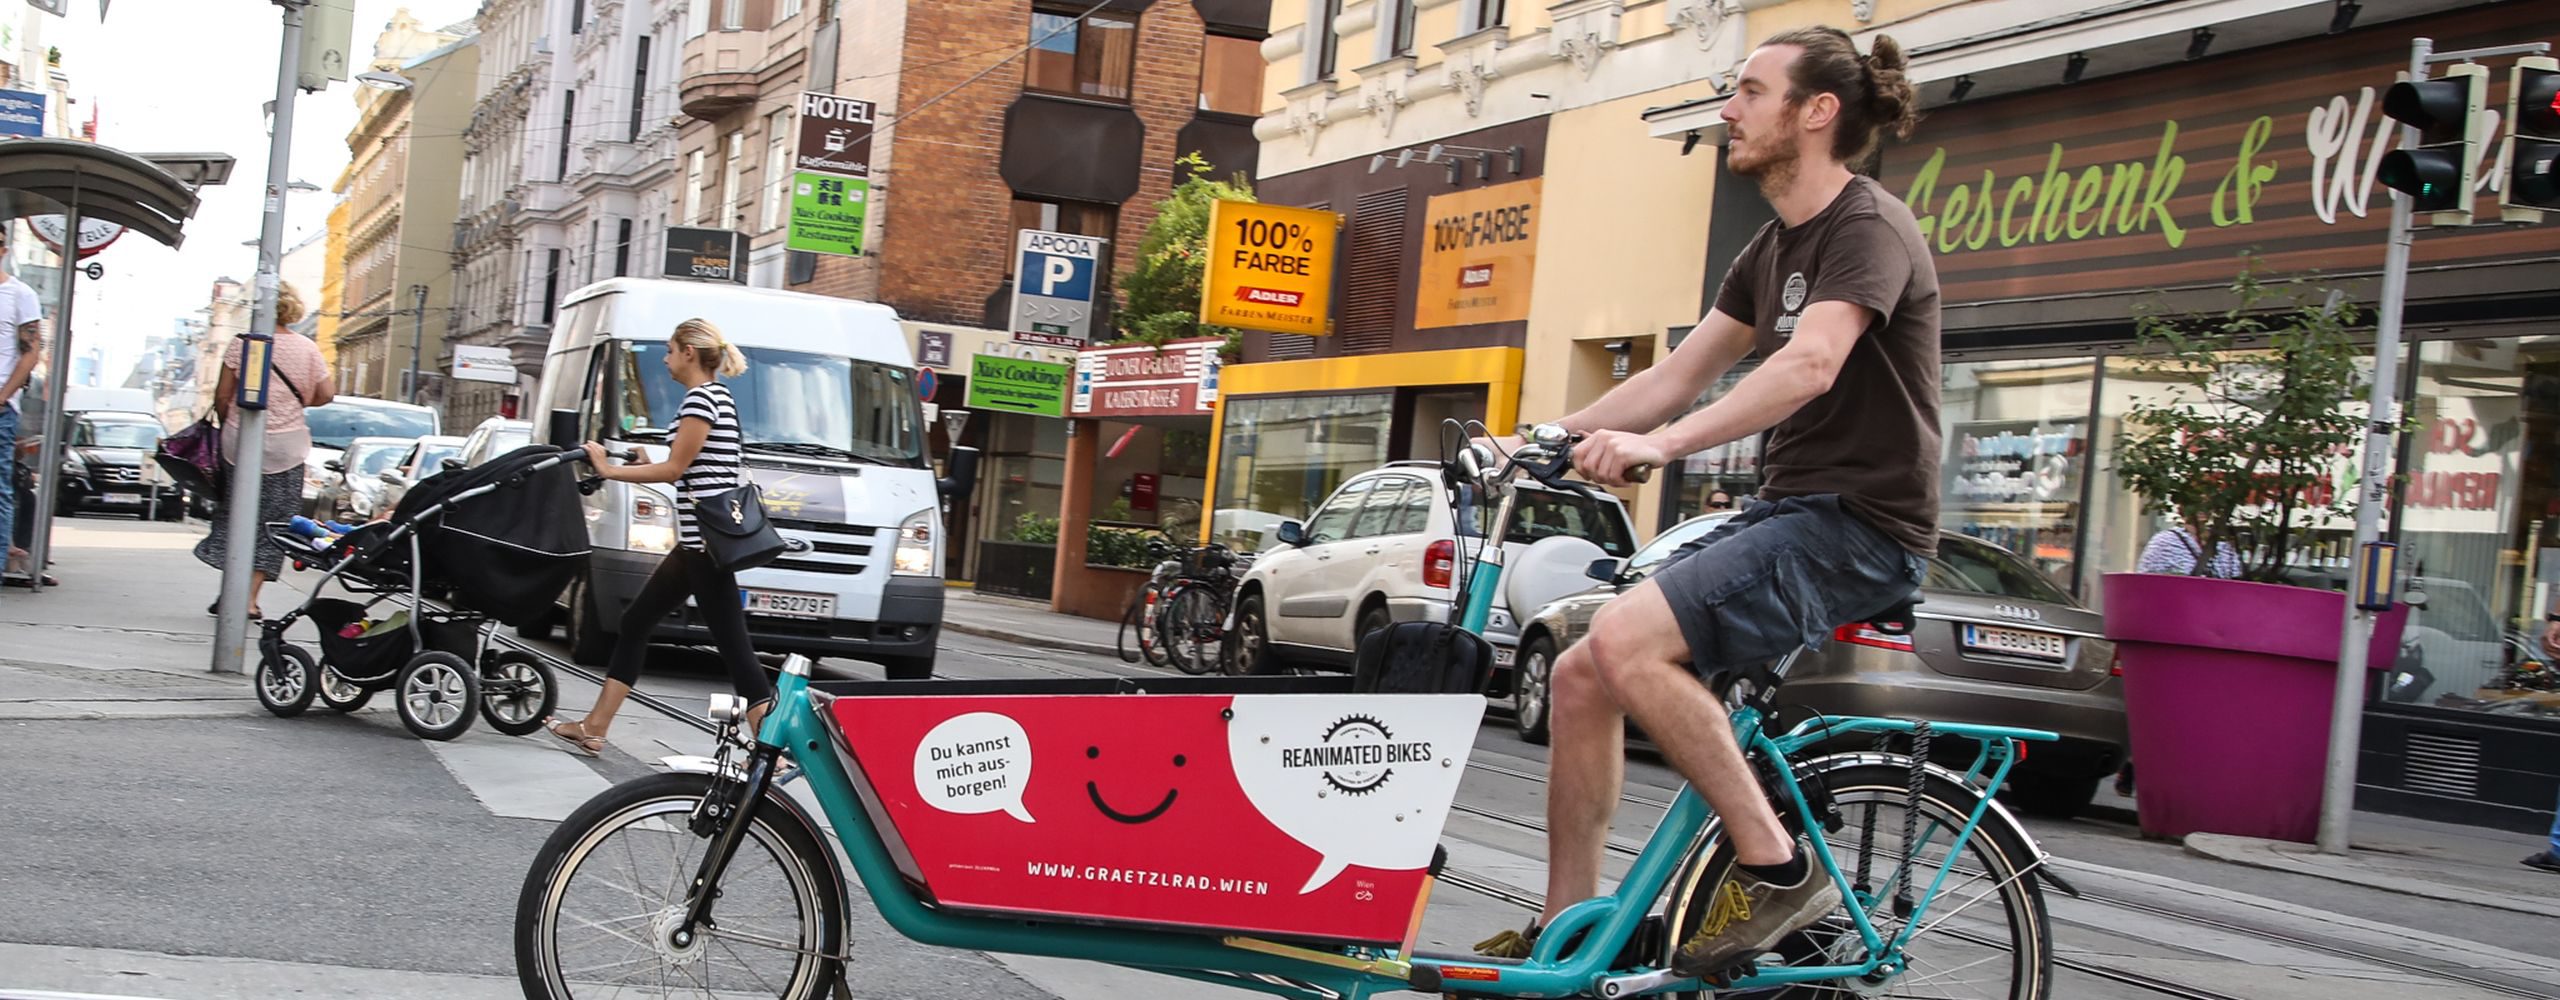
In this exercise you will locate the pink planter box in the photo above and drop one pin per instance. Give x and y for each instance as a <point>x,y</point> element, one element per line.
<point>2227,689</point>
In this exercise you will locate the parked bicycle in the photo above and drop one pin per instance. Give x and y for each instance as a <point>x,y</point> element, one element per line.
<point>1180,616</point>
<point>1138,623</point>
<point>1026,820</point>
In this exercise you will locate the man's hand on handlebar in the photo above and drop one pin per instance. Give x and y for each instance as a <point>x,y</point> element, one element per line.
<point>1618,458</point>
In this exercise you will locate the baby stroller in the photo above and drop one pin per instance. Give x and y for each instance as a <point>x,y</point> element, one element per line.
<point>503,539</point>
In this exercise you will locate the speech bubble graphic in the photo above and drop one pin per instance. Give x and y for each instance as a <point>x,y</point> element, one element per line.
<point>1363,780</point>
<point>979,762</point>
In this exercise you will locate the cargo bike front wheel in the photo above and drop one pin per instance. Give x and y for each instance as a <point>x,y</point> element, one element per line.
<point>603,909</point>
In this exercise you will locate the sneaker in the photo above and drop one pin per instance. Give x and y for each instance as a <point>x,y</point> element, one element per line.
<point>1509,944</point>
<point>2544,860</point>
<point>1749,916</point>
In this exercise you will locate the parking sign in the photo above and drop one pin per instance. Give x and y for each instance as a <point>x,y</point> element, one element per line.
<point>1053,287</point>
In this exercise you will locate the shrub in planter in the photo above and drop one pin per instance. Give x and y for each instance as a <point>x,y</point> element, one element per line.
<point>2228,682</point>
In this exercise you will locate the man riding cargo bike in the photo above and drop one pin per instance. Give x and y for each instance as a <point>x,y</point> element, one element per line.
<point>1282,834</point>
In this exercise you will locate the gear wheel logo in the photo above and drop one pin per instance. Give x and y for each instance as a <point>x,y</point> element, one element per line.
<point>1369,738</point>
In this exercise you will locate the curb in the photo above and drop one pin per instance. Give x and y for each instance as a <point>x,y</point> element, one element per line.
<point>1042,641</point>
<point>2272,856</point>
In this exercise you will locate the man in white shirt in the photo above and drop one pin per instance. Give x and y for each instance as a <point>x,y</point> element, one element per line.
<point>23,316</point>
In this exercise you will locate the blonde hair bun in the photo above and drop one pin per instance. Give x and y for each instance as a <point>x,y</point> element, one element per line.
<point>710,347</point>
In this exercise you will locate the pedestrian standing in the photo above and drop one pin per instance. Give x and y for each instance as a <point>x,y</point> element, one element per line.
<point>20,347</point>
<point>2548,859</point>
<point>704,459</point>
<point>304,377</point>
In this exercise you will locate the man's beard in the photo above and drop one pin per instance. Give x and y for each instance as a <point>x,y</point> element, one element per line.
<point>1775,165</point>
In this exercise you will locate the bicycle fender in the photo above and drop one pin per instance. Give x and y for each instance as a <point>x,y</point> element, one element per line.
<point>1997,817</point>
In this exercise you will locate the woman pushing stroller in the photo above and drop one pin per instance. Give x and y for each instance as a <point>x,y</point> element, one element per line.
<point>704,459</point>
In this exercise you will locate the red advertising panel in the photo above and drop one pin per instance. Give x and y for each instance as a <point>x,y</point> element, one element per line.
<point>1296,815</point>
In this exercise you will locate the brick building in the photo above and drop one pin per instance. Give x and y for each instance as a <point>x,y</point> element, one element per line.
<point>992,116</point>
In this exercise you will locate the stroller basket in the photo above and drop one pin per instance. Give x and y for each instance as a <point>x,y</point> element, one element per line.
<point>362,658</point>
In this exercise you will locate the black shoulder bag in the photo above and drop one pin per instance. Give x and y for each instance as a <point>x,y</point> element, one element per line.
<point>735,533</point>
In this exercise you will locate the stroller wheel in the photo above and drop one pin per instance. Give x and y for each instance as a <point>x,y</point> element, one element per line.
<point>285,680</point>
<point>435,694</point>
<point>517,692</point>
<point>340,693</point>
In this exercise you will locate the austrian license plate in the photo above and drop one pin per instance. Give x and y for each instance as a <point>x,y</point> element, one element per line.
<point>2015,642</point>
<point>790,604</point>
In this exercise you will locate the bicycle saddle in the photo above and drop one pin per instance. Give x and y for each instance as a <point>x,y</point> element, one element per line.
<point>1898,619</point>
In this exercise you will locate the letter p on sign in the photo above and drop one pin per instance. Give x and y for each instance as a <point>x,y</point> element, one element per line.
<point>1060,271</point>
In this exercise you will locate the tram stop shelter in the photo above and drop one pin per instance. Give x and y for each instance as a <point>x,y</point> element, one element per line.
<point>150,194</point>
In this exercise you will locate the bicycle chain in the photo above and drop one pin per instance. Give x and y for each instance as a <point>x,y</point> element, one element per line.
<point>1867,828</point>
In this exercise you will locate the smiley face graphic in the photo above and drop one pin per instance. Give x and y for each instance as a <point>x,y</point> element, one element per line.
<point>1093,790</point>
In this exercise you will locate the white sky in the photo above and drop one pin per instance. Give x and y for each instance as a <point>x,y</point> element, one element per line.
<point>191,76</point>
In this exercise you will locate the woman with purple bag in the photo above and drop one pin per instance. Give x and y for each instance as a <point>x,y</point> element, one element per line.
<point>303,376</point>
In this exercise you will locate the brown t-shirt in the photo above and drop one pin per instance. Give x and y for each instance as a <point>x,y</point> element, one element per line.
<point>1873,438</point>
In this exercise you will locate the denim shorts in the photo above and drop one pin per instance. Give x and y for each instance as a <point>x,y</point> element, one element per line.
<point>1779,575</point>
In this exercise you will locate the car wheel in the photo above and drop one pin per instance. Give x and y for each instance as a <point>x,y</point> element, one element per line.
<point>1251,652</point>
<point>2053,797</point>
<point>1372,620</point>
<point>589,644</point>
<point>1529,689</point>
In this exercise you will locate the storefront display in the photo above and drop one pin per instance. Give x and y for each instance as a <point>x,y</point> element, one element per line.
<point>1279,457</point>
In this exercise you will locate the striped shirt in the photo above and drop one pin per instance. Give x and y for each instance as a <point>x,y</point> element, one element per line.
<point>720,465</point>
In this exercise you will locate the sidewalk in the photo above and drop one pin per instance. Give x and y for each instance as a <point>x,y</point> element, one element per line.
<point>126,635</point>
<point>1031,623</point>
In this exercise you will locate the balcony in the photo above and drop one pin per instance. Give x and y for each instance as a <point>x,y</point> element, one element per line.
<point>720,72</point>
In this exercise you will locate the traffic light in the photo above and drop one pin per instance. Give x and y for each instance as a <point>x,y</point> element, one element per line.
<point>2438,175</point>
<point>2533,154</point>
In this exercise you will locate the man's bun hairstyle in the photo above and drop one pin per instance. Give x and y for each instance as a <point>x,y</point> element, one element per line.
<point>1874,89</point>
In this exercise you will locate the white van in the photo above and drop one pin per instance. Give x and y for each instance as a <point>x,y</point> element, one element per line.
<point>834,432</point>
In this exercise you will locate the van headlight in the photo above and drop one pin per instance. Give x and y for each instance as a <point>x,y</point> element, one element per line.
<point>653,522</point>
<point>915,545</point>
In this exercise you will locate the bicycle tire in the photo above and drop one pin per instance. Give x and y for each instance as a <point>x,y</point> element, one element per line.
<point>1996,858</point>
<point>1189,628</point>
<point>660,805</point>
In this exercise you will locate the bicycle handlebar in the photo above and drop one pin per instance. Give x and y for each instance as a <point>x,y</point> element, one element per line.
<point>1546,455</point>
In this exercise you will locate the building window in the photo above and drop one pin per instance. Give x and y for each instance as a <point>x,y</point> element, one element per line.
<point>1374,285</point>
<point>568,121</point>
<point>1328,42</point>
<point>1483,14</point>
<point>577,16</point>
<point>790,9</point>
<point>777,166</point>
<point>551,288</point>
<point>622,250</point>
<point>1401,43</point>
<point>733,14</point>
<point>1231,75</point>
<point>693,187</point>
<point>1091,60</point>
<point>1325,440</point>
<point>697,18</point>
<point>734,162</point>
<point>639,86</point>
<point>595,246</point>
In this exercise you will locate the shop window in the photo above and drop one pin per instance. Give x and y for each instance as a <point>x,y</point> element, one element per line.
<point>2475,526</point>
<point>2015,469</point>
<point>1715,479</point>
<point>1026,465</point>
<point>1279,456</point>
<point>1091,59</point>
<point>1230,75</point>
<point>1375,284</point>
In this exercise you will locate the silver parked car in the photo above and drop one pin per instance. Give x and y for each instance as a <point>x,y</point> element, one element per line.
<point>1995,644</point>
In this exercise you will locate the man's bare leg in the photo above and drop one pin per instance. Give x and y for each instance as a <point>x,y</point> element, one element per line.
<point>1586,763</point>
<point>1643,661</point>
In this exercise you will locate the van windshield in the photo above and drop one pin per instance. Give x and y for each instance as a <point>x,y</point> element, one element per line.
<point>791,403</point>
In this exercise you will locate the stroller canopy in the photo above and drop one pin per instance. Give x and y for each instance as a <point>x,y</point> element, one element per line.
<point>507,553</point>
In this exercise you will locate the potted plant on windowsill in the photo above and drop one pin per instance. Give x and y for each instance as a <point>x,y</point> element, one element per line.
<point>2251,443</point>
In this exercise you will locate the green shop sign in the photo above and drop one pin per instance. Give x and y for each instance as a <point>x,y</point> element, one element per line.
<point>1013,385</point>
<point>827,213</point>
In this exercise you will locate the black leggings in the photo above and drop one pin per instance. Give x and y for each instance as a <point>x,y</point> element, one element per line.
<point>715,593</point>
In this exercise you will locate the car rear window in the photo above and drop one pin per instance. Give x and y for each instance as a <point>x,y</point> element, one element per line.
<point>1972,567</point>
<point>1539,514</point>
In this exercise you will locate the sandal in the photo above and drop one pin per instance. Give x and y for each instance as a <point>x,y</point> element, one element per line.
<point>581,743</point>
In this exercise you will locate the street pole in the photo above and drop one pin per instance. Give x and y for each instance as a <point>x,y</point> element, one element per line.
<point>2346,706</point>
<point>56,419</point>
<point>240,513</point>
<point>417,335</point>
